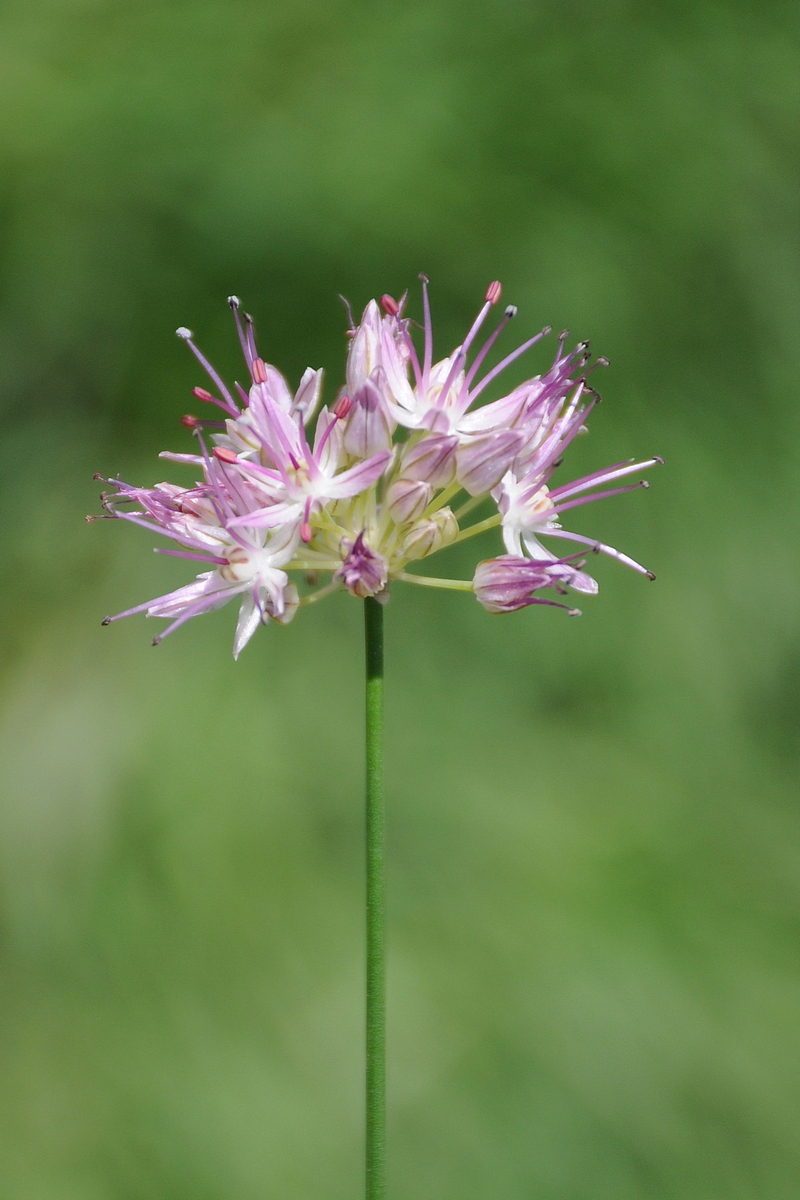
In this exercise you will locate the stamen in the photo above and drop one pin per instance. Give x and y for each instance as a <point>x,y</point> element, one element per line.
<point>224,455</point>
<point>235,304</point>
<point>186,335</point>
<point>428,353</point>
<point>349,312</point>
<point>599,548</point>
<point>390,305</point>
<point>501,366</point>
<point>508,315</point>
<point>562,508</point>
<point>342,407</point>
<point>189,422</point>
<point>494,292</point>
<point>251,334</point>
<point>259,370</point>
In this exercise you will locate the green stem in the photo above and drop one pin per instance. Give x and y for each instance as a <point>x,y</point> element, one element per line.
<point>376,892</point>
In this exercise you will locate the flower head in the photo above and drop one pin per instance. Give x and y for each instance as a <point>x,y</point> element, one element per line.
<point>383,478</point>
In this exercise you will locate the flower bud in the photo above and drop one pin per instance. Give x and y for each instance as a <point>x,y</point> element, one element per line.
<point>407,499</point>
<point>369,426</point>
<point>364,353</point>
<point>430,535</point>
<point>363,572</point>
<point>432,459</point>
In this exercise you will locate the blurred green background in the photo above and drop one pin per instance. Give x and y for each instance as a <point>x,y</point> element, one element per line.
<point>594,834</point>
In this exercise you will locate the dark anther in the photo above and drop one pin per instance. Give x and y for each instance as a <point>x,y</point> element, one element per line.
<point>423,278</point>
<point>97,475</point>
<point>106,621</point>
<point>657,458</point>
<point>511,311</point>
<point>645,483</point>
<point>649,574</point>
<point>156,640</point>
<point>602,361</point>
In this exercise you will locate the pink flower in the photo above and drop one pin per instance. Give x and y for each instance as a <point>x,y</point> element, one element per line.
<point>385,478</point>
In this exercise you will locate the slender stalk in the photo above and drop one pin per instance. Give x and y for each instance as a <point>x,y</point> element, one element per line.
<point>376,919</point>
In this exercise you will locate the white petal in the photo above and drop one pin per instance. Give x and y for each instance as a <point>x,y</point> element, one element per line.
<point>248,623</point>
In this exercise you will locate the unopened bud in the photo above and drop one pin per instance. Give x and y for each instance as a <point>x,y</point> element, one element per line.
<point>430,535</point>
<point>259,371</point>
<point>363,572</point>
<point>224,455</point>
<point>342,407</point>
<point>390,305</point>
<point>407,499</point>
<point>494,292</point>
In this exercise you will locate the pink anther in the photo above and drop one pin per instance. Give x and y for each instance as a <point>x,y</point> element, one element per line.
<point>390,305</point>
<point>226,456</point>
<point>342,407</point>
<point>494,292</point>
<point>305,531</point>
<point>190,422</point>
<point>259,371</point>
<point>201,394</point>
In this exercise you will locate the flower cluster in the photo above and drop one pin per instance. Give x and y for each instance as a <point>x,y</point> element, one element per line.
<point>387,477</point>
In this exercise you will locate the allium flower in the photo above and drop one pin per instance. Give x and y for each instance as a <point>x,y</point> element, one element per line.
<point>374,487</point>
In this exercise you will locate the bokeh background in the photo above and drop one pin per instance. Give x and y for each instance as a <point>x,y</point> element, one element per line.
<point>594,835</point>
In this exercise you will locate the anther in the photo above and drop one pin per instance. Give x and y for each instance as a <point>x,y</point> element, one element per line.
<point>601,362</point>
<point>226,456</point>
<point>89,519</point>
<point>234,301</point>
<point>97,475</point>
<point>201,394</point>
<point>106,621</point>
<point>259,370</point>
<point>650,575</point>
<point>493,292</point>
<point>189,422</point>
<point>558,463</point>
<point>423,278</point>
<point>184,333</point>
<point>645,483</point>
<point>574,612</point>
<point>342,407</point>
<point>156,641</point>
<point>656,458</point>
<point>390,305</point>
<point>548,329</point>
<point>511,311</point>
<point>305,532</point>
